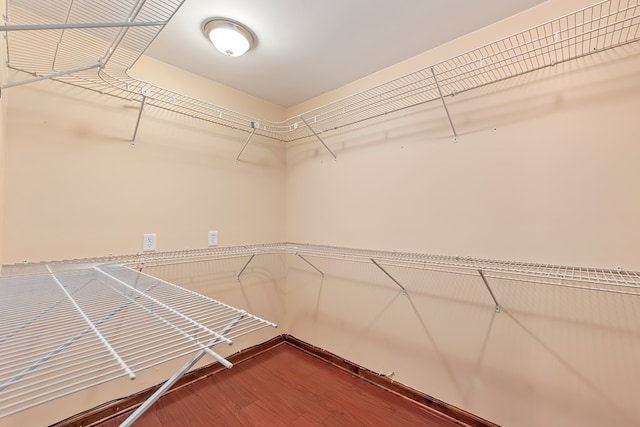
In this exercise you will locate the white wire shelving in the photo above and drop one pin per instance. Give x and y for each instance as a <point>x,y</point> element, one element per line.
<point>47,40</point>
<point>68,327</point>
<point>598,279</point>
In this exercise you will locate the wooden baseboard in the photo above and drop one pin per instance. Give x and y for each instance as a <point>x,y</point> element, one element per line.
<point>112,409</point>
<point>388,384</point>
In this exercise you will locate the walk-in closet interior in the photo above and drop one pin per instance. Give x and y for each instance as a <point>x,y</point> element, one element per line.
<point>462,220</point>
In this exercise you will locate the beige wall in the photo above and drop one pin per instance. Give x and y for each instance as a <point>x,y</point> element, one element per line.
<point>3,133</point>
<point>551,357</point>
<point>74,187</point>
<point>163,75</point>
<point>544,171</point>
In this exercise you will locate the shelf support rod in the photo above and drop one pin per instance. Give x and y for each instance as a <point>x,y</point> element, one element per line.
<point>404,290</point>
<point>185,368</point>
<point>50,76</point>
<point>484,279</point>
<point>311,265</point>
<point>245,267</point>
<point>319,139</point>
<point>135,132</point>
<point>444,104</point>
<point>38,27</point>
<point>245,144</point>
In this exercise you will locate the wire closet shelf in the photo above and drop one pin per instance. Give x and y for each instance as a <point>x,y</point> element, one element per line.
<point>616,281</point>
<point>98,57</point>
<point>70,325</point>
<point>74,327</point>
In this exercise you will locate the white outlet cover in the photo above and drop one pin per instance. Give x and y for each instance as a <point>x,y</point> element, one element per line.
<point>213,238</point>
<point>149,242</point>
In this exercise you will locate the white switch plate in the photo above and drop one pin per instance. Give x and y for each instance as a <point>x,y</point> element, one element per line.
<point>213,238</point>
<point>149,242</point>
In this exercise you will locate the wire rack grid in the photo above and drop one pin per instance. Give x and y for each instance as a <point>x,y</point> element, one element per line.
<point>599,279</point>
<point>73,329</point>
<point>112,51</point>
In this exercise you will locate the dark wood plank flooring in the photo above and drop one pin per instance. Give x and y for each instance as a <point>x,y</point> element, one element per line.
<point>283,387</point>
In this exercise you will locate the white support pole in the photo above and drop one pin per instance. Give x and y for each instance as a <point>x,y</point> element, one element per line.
<point>171,381</point>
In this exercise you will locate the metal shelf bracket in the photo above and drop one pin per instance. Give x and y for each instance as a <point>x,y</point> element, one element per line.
<point>254,126</point>
<point>310,264</point>
<point>245,267</point>
<point>444,104</point>
<point>318,136</point>
<point>145,92</point>
<point>404,290</point>
<point>484,279</point>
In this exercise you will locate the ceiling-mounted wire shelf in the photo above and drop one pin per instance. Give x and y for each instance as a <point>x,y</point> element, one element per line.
<point>112,51</point>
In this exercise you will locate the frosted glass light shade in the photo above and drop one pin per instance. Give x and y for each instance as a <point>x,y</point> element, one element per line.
<point>228,37</point>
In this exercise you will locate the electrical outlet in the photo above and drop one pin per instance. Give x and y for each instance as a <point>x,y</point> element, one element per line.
<point>213,238</point>
<point>149,242</point>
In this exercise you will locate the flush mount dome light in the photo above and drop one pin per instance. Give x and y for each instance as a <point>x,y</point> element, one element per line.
<point>228,37</point>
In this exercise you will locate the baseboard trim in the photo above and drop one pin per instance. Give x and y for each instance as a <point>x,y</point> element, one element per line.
<point>389,384</point>
<point>111,409</point>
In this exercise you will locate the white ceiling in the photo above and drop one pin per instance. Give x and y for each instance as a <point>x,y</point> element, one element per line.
<point>306,48</point>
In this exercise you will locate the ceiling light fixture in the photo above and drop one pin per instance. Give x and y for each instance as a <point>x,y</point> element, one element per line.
<point>230,38</point>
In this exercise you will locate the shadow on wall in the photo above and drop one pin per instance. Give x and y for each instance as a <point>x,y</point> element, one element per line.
<point>565,86</point>
<point>259,290</point>
<point>552,356</point>
<point>101,119</point>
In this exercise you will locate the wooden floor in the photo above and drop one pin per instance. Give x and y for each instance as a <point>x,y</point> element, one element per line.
<point>284,387</point>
